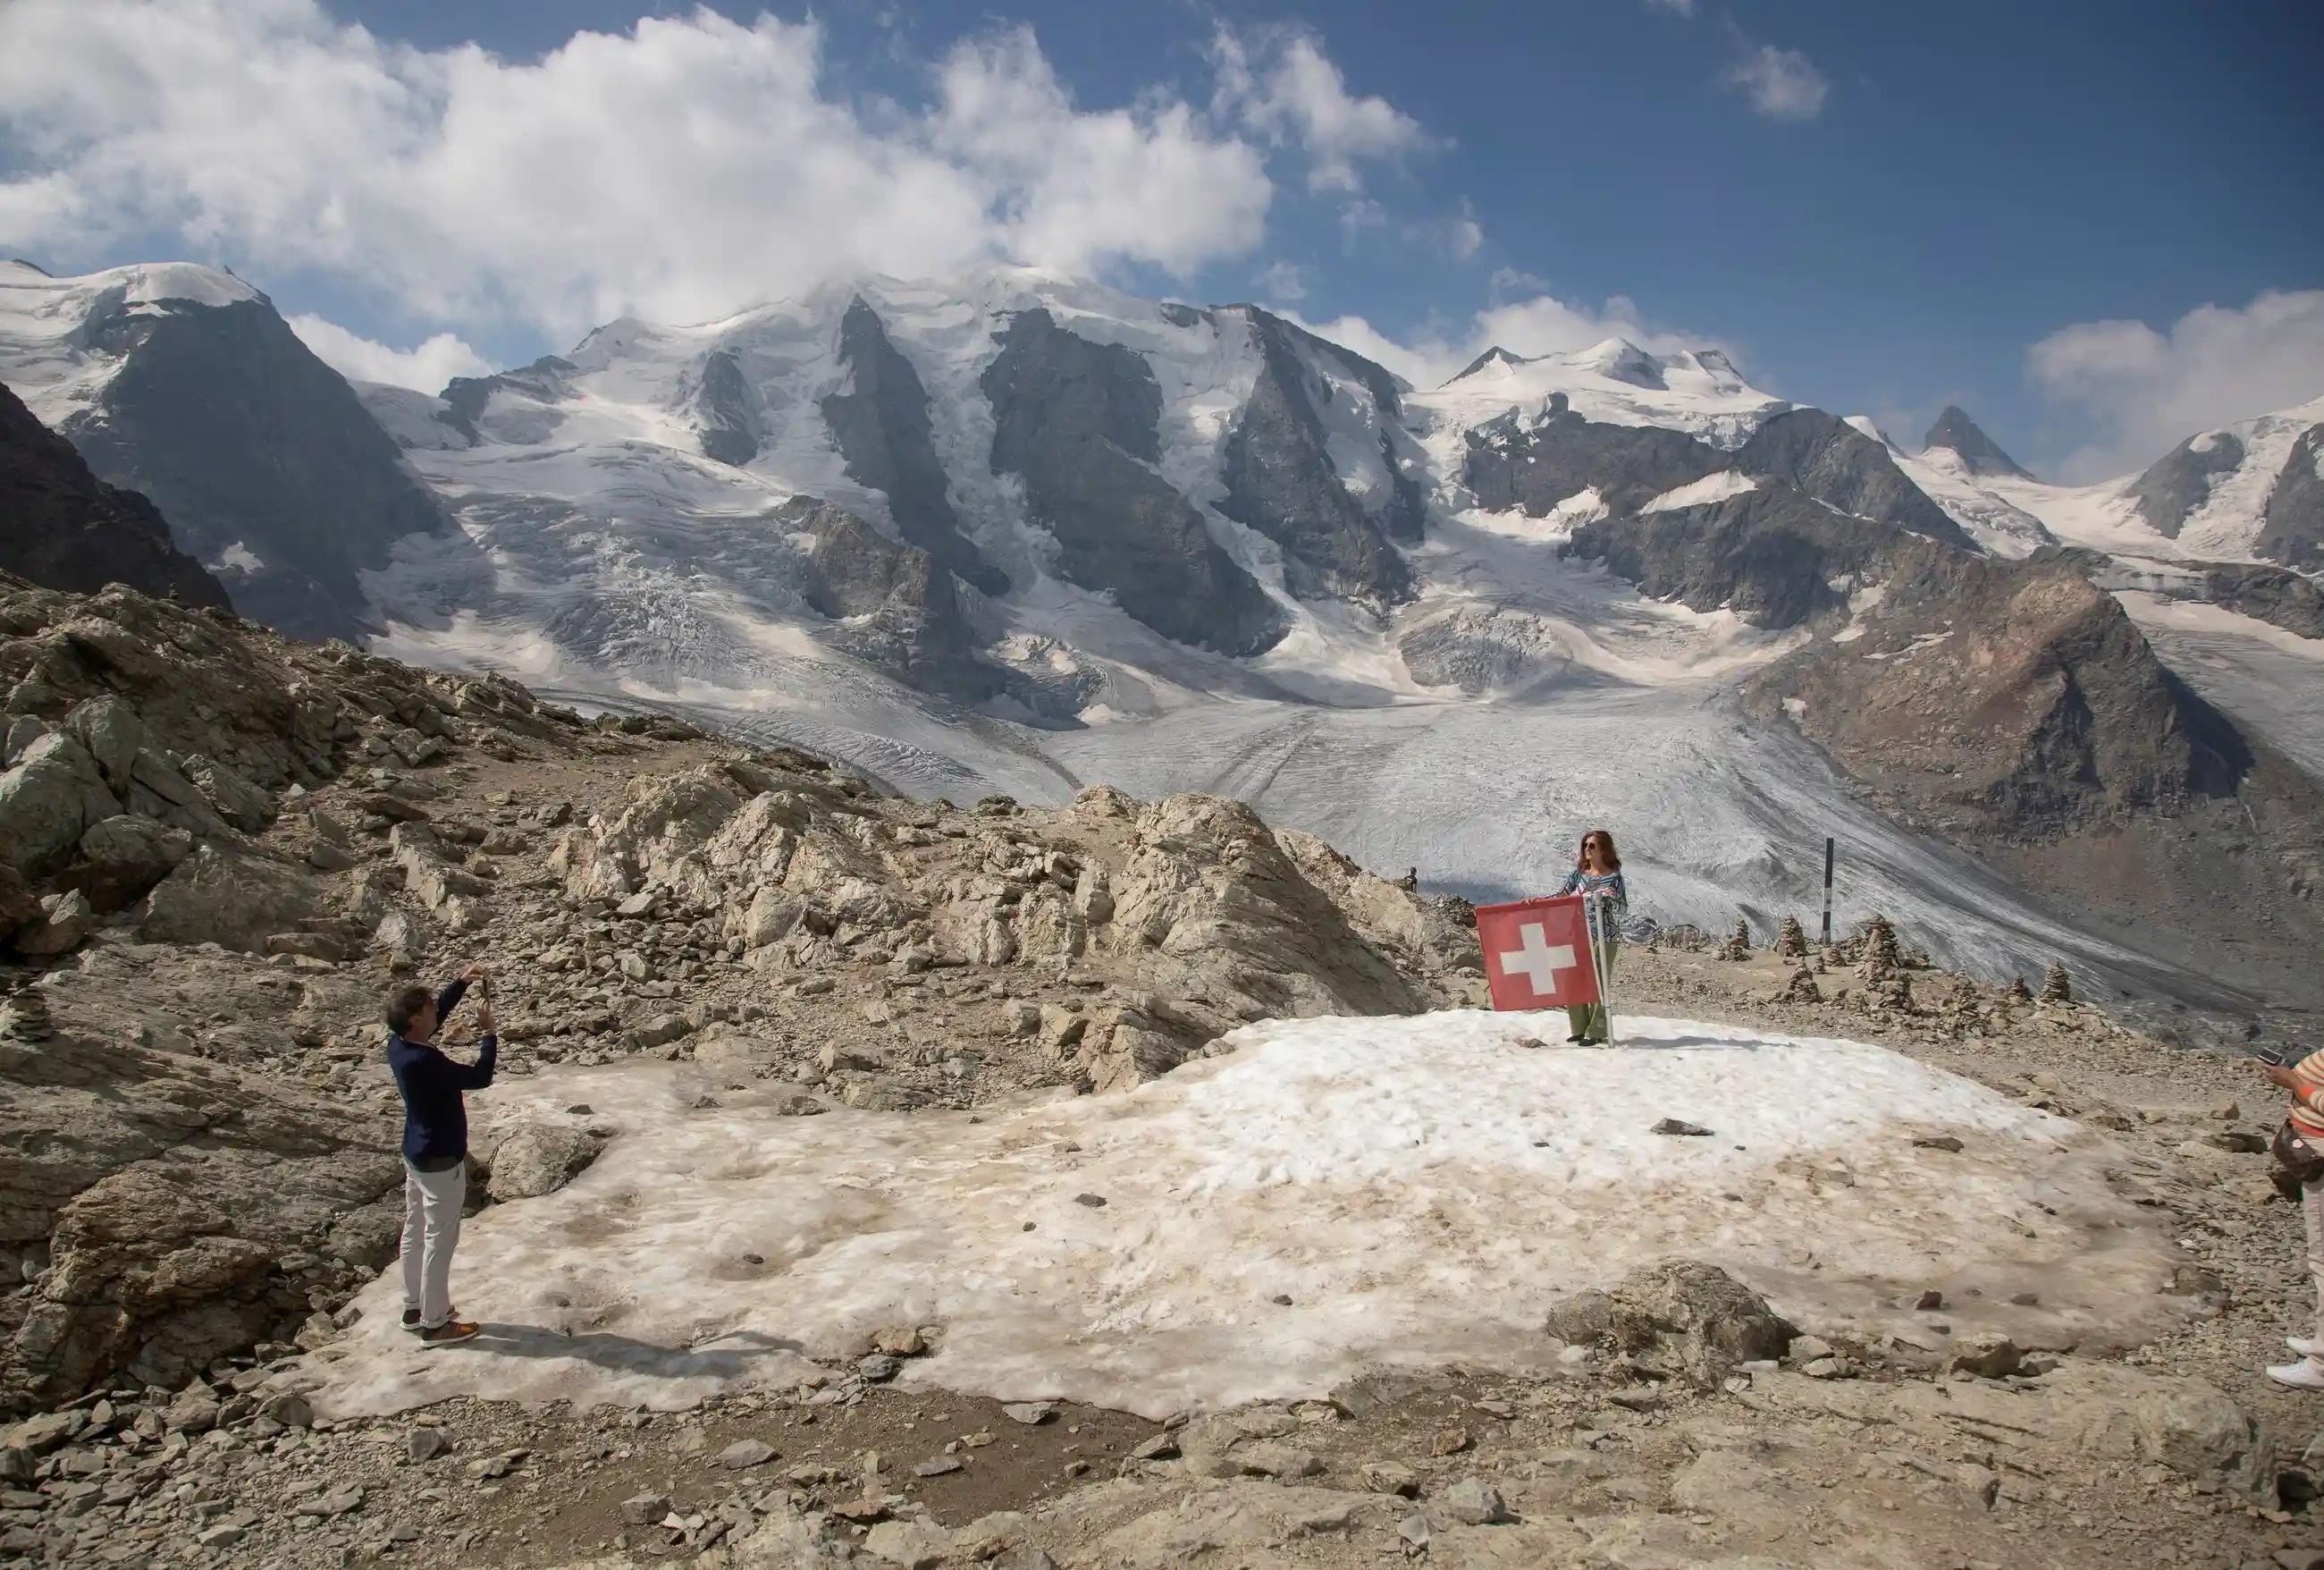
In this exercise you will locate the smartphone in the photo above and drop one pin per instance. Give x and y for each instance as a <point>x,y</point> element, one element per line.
<point>2282,1056</point>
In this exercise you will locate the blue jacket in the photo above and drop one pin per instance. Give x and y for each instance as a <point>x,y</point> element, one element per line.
<point>435,1117</point>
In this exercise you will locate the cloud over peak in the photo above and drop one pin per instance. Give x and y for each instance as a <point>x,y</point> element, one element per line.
<point>2141,392</point>
<point>676,170</point>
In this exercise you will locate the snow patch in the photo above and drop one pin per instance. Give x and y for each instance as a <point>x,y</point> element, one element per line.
<point>1711,488</point>
<point>1419,1188</point>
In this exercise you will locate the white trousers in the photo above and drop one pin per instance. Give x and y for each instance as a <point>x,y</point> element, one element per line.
<point>2311,1211</point>
<point>431,1231</point>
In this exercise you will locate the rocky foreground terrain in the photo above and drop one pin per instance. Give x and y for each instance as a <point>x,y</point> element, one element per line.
<point>223,847</point>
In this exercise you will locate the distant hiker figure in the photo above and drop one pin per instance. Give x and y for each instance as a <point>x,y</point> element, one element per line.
<point>435,1145</point>
<point>2300,1149</point>
<point>1597,877</point>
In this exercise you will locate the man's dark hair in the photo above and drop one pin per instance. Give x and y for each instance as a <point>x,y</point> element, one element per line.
<point>403,1006</point>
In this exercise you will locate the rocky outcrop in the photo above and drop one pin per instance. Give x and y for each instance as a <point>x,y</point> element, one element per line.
<point>260,456</point>
<point>899,608</point>
<point>2293,532</point>
<point>880,427</point>
<point>1978,453</point>
<point>534,393</point>
<point>727,415</point>
<point>2274,595</point>
<point>1079,421</point>
<point>2180,481</point>
<point>1683,1318</point>
<point>1834,462</point>
<point>1533,466</point>
<point>1772,555</point>
<point>64,528</point>
<point>154,1213</point>
<point>2019,689</point>
<point>1281,479</point>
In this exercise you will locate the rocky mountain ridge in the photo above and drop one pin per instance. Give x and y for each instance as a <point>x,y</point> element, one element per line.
<point>66,528</point>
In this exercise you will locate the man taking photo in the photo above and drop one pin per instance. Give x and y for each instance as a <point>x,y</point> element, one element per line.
<point>435,1144</point>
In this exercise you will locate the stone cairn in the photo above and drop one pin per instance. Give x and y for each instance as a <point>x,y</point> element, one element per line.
<point>2055,987</point>
<point>1792,940</point>
<point>1801,988</point>
<point>1738,946</point>
<point>2019,993</point>
<point>1963,1016</point>
<point>1880,955</point>
<point>27,1017</point>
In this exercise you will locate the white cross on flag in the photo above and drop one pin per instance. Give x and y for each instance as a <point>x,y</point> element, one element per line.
<point>1538,954</point>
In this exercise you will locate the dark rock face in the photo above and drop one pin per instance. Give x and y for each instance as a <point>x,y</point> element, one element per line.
<point>901,607</point>
<point>1769,554</point>
<point>1834,462</point>
<point>241,437</point>
<point>542,383</point>
<point>1534,468</point>
<point>2293,533</point>
<point>1280,481</point>
<point>1978,453</point>
<point>2019,691</point>
<point>1081,423</point>
<point>882,428</point>
<point>2181,480</point>
<point>730,422</point>
<point>2273,594</point>
<point>63,527</point>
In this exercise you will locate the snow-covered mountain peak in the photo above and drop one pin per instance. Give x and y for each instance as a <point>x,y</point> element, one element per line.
<point>47,324</point>
<point>1613,382</point>
<point>1621,360</point>
<point>1979,454</point>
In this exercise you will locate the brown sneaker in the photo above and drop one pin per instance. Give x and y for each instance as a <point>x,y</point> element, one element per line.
<point>450,1332</point>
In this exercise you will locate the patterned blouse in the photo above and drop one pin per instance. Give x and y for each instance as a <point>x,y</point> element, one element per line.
<point>1613,893</point>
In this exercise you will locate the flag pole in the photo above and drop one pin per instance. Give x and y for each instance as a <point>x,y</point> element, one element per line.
<point>1598,965</point>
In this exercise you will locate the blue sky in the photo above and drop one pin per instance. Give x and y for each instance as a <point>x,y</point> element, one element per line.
<point>1877,208</point>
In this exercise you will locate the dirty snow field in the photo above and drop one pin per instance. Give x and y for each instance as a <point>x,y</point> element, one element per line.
<point>1419,1189</point>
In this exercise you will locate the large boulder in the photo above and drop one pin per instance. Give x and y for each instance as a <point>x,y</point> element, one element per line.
<point>123,856</point>
<point>1693,1319</point>
<point>112,732</point>
<point>537,1157</point>
<point>229,896</point>
<point>65,923</point>
<point>48,801</point>
<point>234,798</point>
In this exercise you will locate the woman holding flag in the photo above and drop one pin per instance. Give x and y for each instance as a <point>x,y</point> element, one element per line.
<point>1597,877</point>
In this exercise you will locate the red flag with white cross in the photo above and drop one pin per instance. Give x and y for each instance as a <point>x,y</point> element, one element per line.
<point>1538,954</point>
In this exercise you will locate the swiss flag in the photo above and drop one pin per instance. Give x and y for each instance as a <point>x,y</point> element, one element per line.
<point>1538,954</point>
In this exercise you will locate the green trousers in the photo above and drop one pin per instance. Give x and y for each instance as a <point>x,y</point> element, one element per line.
<point>1589,1021</point>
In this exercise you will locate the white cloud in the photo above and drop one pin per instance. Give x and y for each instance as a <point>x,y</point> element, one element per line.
<point>1278,81</point>
<point>427,366</point>
<point>1463,234</point>
<point>1783,84</point>
<point>677,171</point>
<point>2144,391</point>
<point>1283,280</point>
<point>1679,7</point>
<point>1076,188</point>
